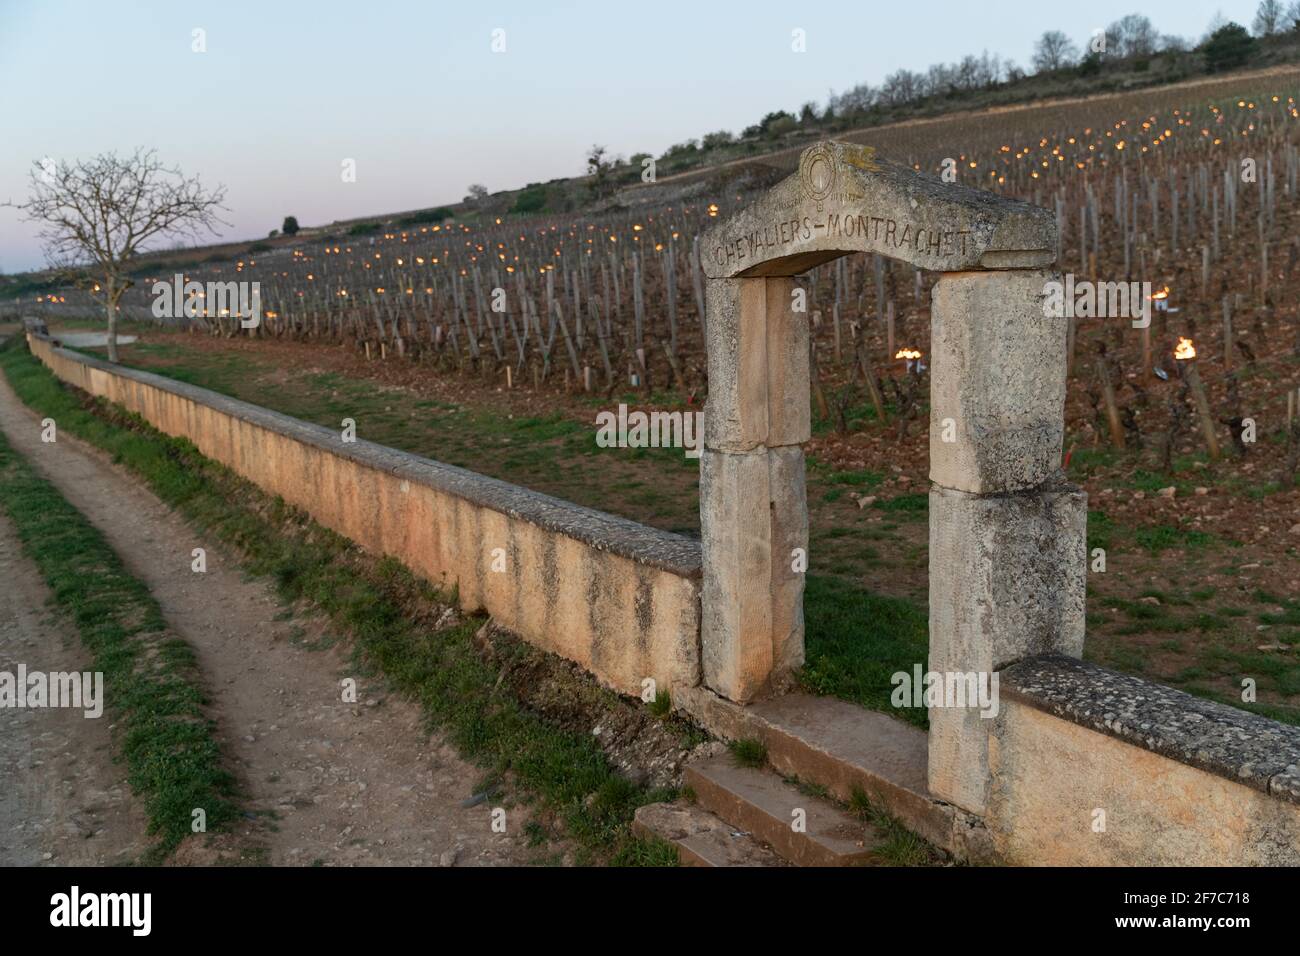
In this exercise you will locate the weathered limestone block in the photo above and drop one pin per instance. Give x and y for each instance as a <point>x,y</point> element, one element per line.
<point>789,420</point>
<point>758,365</point>
<point>789,514</point>
<point>735,416</point>
<point>736,598</point>
<point>1183,781</point>
<point>997,384</point>
<point>1007,581</point>
<point>844,198</point>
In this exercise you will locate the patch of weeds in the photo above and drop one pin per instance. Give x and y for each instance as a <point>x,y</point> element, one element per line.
<point>748,752</point>
<point>662,705</point>
<point>856,479</point>
<point>1100,529</point>
<point>911,503</point>
<point>646,851</point>
<point>900,846</point>
<point>535,834</point>
<point>1158,538</point>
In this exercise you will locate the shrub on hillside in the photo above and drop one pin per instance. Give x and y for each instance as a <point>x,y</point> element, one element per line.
<point>532,199</point>
<point>1228,47</point>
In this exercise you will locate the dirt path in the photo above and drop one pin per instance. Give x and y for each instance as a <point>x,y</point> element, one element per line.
<point>64,802</point>
<point>328,782</point>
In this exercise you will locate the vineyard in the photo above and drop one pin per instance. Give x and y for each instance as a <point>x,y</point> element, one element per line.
<point>1195,194</point>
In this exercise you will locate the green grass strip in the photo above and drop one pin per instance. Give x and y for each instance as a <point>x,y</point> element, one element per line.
<point>150,676</point>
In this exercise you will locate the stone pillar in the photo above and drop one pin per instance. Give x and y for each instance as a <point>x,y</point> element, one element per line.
<point>1007,533</point>
<point>753,510</point>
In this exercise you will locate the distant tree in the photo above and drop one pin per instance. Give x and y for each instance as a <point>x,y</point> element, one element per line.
<point>1132,35</point>
<point>1291,19</point>
<point>477,193</point>
<point>940,80</point>
<point>1268,18</point>
<point>781,126</point>
<point>273,233</point>
<point>677,150</point>
<point>859,99</point>
<point>290,227</point>
<point>901,87</point>
<point>598,167</point>
<point>1228,47</point>
<point>1172,43</point>
<point>1053,51</point>
<point>767,122</point>
<point>965,74</point>
<point>97,215</point>
<point>724,138</point>
<point>808,114</point>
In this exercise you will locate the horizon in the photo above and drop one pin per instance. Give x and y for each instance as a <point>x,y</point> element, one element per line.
<point>511,118</point>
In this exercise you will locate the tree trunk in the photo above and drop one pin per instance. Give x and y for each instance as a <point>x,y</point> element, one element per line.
<point>112,298</point>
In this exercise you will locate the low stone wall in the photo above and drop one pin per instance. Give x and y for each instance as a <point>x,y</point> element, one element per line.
<point>618,598</point>
<point>1094,768</point>
<point>1081,766</point>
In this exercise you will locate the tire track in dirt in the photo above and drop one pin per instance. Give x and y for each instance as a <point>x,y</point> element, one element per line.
<point>64,802</point>
<point>327,782</point>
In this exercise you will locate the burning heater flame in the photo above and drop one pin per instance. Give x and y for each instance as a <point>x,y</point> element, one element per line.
<point>908,354</point>
<point>1185,350</point>
<point>1162,294</point>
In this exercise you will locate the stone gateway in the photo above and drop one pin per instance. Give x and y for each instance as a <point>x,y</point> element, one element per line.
<point>1007,555</point>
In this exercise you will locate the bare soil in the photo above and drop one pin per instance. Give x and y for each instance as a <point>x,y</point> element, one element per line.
<point>64,801</point>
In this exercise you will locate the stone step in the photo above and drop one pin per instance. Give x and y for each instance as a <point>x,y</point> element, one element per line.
<point>700,837</point>
<point>761,803</point>
<point>844,747</point>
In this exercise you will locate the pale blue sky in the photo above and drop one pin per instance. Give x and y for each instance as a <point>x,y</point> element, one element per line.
<point>413,92</point>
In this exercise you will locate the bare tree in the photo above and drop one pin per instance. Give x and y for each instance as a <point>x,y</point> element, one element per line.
<point>1291,19</point>
<point>98,215</point>
<point>1132,35</point>
<point>1054,50</point>
<point>859,99</point>
<point>901,87</point>
<point>1268,18</point>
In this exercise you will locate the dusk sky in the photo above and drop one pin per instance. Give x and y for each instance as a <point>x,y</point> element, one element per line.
<point>285,92</point>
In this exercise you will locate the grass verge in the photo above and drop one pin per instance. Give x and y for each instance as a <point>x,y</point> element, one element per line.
<point>151,680</point>
<point>389,612</point>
